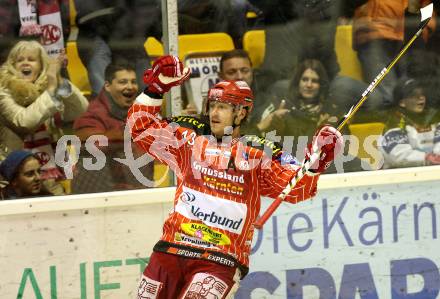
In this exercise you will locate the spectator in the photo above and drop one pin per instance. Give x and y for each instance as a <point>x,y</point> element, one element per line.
<point>237,65</point>
<point>411,137</point>
<point>299,30</point>
<point>207,16</point>
<point>34,102</point>
<point>109,30</point>
<point>378,34</point>
<point>234,65</point>
<point>305,97</point>
<point>22,172</point>
<point>424,59</point>
<point>106,116</point>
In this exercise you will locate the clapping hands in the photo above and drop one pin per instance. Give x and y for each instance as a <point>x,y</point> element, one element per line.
<point>54,78</point>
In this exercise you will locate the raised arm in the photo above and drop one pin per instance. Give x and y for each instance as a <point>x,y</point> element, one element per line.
<point>156,136</point>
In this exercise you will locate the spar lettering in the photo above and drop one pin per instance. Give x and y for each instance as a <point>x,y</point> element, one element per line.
<point>354,279</point>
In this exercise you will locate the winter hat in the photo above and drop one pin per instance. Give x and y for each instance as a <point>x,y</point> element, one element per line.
<point>9,166</point>
<point>404,89</point>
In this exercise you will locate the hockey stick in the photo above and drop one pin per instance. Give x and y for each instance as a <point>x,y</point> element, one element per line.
<point>426,14</point>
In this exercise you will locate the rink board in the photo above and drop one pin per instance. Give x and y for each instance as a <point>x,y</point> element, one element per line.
<point>365,235</point>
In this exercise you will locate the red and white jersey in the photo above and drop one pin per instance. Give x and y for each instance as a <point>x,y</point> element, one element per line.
<point>219,182</point>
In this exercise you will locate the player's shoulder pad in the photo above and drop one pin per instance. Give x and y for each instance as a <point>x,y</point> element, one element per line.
<point>261,143</point>
<point>191,122</point>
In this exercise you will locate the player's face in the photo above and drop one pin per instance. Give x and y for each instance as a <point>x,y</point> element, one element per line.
<point>237,68</point>
<point>123,88</point>
<point>28,64</point>
<point>221,116</point>
<point>28,181</point>
<point>415,102</point>
<point>309,84</point>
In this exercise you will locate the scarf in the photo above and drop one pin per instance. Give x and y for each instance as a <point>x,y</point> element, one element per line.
<point>42,143</point>
<point>115,110</point>
<point>49,26</point>
<point>28,18</point>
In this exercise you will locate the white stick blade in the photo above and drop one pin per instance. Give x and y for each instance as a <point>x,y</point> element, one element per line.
<point>427,12</point>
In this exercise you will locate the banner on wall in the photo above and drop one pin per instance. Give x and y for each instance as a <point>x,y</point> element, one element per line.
<point>204,75</point>
<point>377,242</point>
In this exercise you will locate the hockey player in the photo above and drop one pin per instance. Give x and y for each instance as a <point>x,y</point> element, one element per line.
<point>206,241</point>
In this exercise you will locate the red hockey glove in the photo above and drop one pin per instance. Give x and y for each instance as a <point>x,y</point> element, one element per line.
<point>329,141</point>
<point>167,71</point>
<point>432,159</point>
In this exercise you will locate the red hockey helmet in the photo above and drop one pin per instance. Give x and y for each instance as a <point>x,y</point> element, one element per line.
<point>232,92</point>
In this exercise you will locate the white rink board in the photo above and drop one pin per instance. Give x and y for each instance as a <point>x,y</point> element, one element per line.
<point>93,252</point>
<point>351,242</point>
<point>94,246</point>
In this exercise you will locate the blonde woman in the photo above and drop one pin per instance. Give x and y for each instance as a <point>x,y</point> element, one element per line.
<point>34,102</point>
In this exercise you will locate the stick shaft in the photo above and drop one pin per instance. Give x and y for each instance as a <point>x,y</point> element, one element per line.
<point>306,164</point>
<point>379,78</point>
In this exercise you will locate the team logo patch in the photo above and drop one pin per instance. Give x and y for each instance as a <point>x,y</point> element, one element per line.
<point>148,288</point>
<point>50,34</point>
<point>43,157</point>
<point>187,197</point>
<point>206,286</point>
<point>215,93</point>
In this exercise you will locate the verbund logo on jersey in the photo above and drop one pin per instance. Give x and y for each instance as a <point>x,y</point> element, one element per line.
<point>213,211</point>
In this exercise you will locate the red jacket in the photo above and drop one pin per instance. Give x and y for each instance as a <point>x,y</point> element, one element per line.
<point>98,116</point>
<point>219,186</point>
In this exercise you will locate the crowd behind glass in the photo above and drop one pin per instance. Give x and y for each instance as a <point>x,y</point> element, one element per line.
<point>298,87</point>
